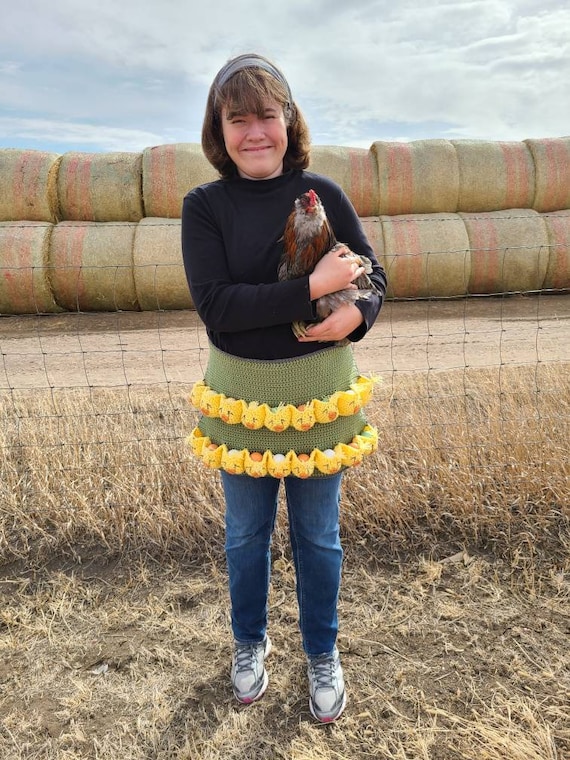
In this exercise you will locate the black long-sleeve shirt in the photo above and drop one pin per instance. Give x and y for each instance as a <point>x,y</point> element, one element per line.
<point>231,246</point>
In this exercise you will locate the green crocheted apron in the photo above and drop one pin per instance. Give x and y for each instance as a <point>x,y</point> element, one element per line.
<point>300,391</point>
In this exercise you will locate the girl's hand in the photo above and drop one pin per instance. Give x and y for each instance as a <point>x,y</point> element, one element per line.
<point>337,326</point>
<point>335,271</point>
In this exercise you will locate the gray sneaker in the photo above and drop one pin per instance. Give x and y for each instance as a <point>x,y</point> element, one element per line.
<point>249,677</point>
<point>326,687</point>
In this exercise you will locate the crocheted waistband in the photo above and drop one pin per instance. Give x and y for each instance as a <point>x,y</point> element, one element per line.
<point>282,381</point>
<point>301,416</point>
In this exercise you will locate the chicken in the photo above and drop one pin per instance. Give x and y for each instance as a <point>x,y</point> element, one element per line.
<point>308,236</point>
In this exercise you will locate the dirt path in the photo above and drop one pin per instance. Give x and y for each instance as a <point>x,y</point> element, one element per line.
<point>142,348</point>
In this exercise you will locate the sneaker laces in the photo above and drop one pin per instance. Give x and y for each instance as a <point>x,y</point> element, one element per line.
<point>323,672</point>
<point>245,657</point>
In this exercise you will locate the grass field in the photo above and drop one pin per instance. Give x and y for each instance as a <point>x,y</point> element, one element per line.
<point>455,607</point>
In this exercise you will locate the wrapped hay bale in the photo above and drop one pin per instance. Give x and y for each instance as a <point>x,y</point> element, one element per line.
<point>354,169</point>
<point>100,187</point>
<point>552,165</point>
<point>426,256</point>
<point>160,280</point>
<point>169,172</point>
<point>558,230</point>
<point>92,266</point>
<point>28,185</point>
<point>420,177</point>
<point>375,233</point>
<point>509,251</point>
<point>24,261</point>
<point>494,175</point>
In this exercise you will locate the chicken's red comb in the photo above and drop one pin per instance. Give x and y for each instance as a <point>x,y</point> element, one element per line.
<point>313,197</point>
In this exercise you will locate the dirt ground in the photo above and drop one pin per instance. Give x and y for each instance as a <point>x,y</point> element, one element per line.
<point>460,658</point>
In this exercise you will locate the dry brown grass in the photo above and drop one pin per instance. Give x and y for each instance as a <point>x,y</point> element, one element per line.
<point>455,611</point>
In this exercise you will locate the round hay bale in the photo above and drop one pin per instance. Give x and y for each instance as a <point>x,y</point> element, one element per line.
<point>558,230</point>
<point>92,266</point>
<point>28,185</point>
<point>426,256</point>
<point>354,169</point>
<point>420,177</point>
<point>494,175</point>
<point>375,233</point>
<point>552,165</point>
<point>160,280</point>
<point>100,187</point>
<point>169,172</point>
<point>24,260</point>
<point>509,251</point>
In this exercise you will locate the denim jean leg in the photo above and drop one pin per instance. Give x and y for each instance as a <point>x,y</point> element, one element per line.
<point>313,507</point>
<point>251,507</point>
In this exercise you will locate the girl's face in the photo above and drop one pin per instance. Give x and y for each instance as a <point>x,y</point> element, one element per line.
<point>256,145</point>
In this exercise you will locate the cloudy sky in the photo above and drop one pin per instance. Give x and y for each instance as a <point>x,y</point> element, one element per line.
<point>112,76</point>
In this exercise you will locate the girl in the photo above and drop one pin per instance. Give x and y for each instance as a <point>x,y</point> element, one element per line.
<point>276,406</point>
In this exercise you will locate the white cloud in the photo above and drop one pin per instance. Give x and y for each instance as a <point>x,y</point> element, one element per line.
<point>489,69</point>
<point>9,68</point>
<point>69,133</point>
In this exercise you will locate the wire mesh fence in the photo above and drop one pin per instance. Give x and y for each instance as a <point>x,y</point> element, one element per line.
<point>129,356</point>
<point>472,405</point>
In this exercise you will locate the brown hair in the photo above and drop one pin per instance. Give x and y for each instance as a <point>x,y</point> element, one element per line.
<point>247,91</point>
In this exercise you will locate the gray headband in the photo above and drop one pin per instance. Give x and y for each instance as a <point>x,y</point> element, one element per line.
<point>248,61</point>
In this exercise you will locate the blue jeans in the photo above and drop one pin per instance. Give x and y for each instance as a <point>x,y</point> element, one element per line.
<point>313,510</point>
